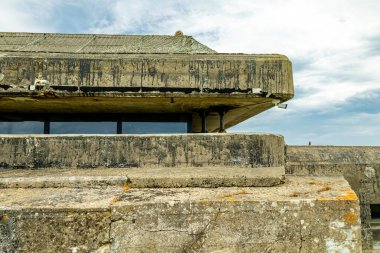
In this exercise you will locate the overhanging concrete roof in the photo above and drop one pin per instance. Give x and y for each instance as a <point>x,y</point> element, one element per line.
<point>142,74</point>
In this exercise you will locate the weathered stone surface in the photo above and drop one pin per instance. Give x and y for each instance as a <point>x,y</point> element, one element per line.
<point>359,165</point>
<point>306,214</point>
<point>188,150</point>
<point>144,177</point>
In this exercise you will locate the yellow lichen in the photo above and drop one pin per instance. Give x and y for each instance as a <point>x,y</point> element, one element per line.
<point>351,218</point>
<point>232,200</point>
<point>126,187</point>
<point>350,195</point>
<point>4,217</point>
<point>325,198</point>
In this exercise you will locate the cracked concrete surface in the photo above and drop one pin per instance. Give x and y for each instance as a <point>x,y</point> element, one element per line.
<point>298,216</point>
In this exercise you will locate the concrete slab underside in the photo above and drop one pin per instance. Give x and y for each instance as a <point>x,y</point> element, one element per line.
<point>306,214</point>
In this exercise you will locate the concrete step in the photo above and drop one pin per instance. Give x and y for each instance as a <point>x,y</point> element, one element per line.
<point>304,212</point>
<point>143,177</point>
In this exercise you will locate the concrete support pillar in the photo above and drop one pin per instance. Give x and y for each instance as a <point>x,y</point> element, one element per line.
<point>221,121</point>
<point>203,115</point>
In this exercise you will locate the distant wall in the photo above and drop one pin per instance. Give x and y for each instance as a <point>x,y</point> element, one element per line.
<point>359,165</point>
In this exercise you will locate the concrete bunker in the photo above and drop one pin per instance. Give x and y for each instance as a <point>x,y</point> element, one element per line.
<point>203,191</point>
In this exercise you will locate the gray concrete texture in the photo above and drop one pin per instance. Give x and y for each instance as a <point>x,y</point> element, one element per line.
<point>306,214</point>
<point>359,165</point>
<point>118,151</point>
<point>136,74</point>
<point>164,177</point>
<point>217,73</point>
<point>100,43</point>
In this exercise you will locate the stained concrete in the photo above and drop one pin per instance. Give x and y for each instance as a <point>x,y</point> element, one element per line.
<point>140,74</point>
<point>118,151</point>
<point>359,165</point>
<point>55,220</point>
<point>306,214</point>
<point>144,177</point>
<point>47,74</point>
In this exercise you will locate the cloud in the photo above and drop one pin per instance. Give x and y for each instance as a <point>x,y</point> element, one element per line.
<point>20,16</point>
<point>326,40</point>
<point>334,47</point>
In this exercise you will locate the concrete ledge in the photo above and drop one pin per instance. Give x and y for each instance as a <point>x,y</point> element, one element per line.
<point>120,151</point>
<point>306,214</point>
<point>144,177</point>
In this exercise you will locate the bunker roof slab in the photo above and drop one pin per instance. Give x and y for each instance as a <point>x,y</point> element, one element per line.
<point>90,73</point>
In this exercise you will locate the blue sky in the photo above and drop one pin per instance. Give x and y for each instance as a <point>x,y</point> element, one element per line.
<point>334,47</point>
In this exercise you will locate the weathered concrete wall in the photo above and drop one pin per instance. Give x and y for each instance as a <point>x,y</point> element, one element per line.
<point>83,74</point>
<point>188,150</point>
<point>55,220</point>
<point>52,73</point>
<point>243,85</point>
<point>52,231</point>
<point>359,165</point>
<point>306,214</point>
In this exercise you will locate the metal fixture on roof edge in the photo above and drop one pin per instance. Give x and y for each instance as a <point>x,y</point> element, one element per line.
<point>282,106</point>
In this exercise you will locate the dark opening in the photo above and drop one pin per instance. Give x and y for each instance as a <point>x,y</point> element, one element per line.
<point>95,123</point>
<point>375,211</point>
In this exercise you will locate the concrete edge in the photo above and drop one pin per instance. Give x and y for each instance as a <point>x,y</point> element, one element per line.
<point>146,178</point>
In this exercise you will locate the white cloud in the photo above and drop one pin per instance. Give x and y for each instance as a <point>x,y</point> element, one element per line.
<point>330,35</point>
<point>333,44</point>
<point>25,16</point>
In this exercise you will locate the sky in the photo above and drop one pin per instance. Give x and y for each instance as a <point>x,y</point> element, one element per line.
<point>334,46</point>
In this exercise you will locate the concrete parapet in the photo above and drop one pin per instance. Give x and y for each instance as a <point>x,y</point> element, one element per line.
<point>306,214</point>
<point>359,165</point>
<point>117,151</point>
